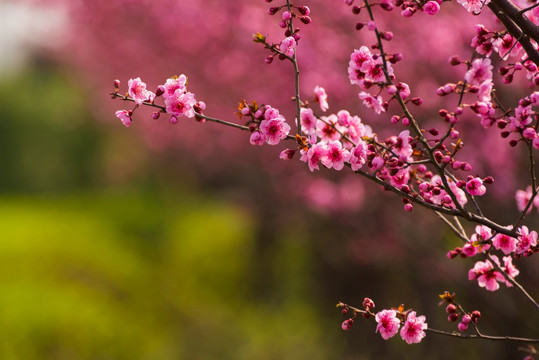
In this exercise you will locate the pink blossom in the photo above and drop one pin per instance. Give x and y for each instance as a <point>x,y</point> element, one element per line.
<point>473,6</point>
<point>526,240</point>
<point>485,90</point>
<point>482,233</point>
<point>486,276</point>
<point>313,155</point>
<point>326,129</point>
<point>358,155</point>
<point>469,249</point>
<point>321,97</point>
<point>372,102</point>
<point>173,84</point>
<point>257,138</point>
<point>288,46</point>
<point>413,330</point>
<point>522,198</point>
<point>181,103</point>
<point>335,155</point>
<point>475,187</point>
<point>125,116</point>
<point>359,60</point>
<point>308,121</point>
<point>274,129</point>
<point>505,243</point>
<point>431,7</point>
<point>137,91</point>
<point>388,323</point>
<point>505,43</point>
<point>509,268</point>
<point>480,71</point>
<point>287,154</point>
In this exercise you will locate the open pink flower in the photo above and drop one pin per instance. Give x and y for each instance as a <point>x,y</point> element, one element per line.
<point>181,104</point>
<point>335,155</point>
<point>473,6</point>
<point>486,276</point>
<point>125,116</point>
<point>274,129</point>
<point>372,102</point>
<point>358,155</point>
<point>388,323</point>
<point>526,240</point>
<point>480,71</point>
<point>173,84</point>
<point>308,121</point>
<point>313,155</point>
<point>414,328</point>
<point>137,90</point>
<point>505,243</point>
<point>321,97</point>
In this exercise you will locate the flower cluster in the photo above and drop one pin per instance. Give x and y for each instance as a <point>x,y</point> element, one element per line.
<point>482,240</point>
<point>266,124</point>
<point>454,312</point>
<point>389,321</point>
<point>178,101</point>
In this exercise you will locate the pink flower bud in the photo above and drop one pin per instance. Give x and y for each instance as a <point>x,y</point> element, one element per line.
<point>462,327</point>
<point>287,15</point>
<point>451,308</point>
<point>347,324</point>
<point>408,207</point>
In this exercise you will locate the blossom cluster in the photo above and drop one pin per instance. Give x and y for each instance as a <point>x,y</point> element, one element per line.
<point>389,321</point>
<point>485,272</point>
<point>178,101</point>
<point>454,312</point>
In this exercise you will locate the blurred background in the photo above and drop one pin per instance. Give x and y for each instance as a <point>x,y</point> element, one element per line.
<point>185,242</point>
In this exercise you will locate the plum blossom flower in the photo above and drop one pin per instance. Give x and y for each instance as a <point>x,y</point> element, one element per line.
<point>326,129</point>
<point>482,233</point>
<point>475,187</point>
<point>522,198</point>
<point>124,116</point>
<point>431,7</point>
<point>313,155</point>
<point>358,65</point>
<point>257,138</point>
<point>274,129</point>
<point>486,276</point>
<point>321,97</point>
<point>173,84</point>
<point>414,328</point>
<point>358,155</point>
<point>137,91</point>
<point>288,46</point>
<point>308,121</point>
<point>181,103</point>
<point>510,269</point>
<point>505,243</point>
<point>388,323</point>
<point>335,155</point>
<point>480,71</point>
<point>526,240</point>
<point>372,102</point>
<point>473,6</point>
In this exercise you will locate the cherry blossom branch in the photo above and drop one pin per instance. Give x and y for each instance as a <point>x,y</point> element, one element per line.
<point>503,10</point>
<point>514,282</point>
<point>294,61</point>
<point>483,337</point>
<point>478,336</point>
<point>533,186</point>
